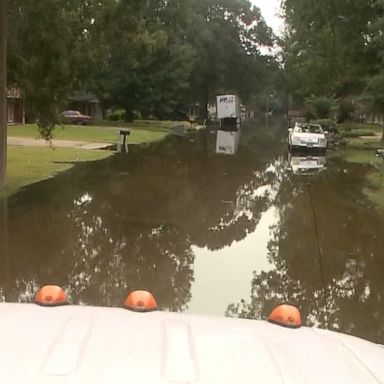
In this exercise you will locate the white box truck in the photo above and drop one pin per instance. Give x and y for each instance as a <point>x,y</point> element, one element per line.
<point>228,106</point>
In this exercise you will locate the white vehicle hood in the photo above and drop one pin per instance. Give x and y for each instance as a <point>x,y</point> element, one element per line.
<point>71,344</point>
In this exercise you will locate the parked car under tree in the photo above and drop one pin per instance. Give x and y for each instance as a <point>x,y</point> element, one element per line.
<point>307,136</point>
<point>74,117</point>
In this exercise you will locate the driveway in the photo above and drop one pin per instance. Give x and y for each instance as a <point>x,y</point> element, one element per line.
<point>28,142</point>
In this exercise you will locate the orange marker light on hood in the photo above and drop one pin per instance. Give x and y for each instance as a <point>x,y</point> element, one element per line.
<point>286,316</point>
<point>140,301</point>
<point>51,296</point>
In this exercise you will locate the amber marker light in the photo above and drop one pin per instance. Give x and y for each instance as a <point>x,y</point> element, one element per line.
<point>51,296</point>
<point>286,316</point>
<point>140,301</point>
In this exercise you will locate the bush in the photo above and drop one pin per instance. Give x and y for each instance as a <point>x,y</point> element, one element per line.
<point>319,105</point>
<point>346,110</point>
<point>322,107</point>
<point>327,125</point>
<point>117,115</point>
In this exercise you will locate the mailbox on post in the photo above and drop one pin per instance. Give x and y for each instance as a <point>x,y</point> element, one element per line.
<point>124,133</point>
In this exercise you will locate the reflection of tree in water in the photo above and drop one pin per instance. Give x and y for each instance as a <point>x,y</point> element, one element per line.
<point>129,222</point>
<point>348,297</point>
<point>108,263</point>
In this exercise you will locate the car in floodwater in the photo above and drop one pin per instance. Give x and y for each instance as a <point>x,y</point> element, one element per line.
<point>306,165</point>
<point>307,136</point>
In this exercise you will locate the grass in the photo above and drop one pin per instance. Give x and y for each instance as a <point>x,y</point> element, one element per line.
<point>362,157</point>
<point>30,165</point>
<point>374,189</point>
<point>361,136</point>
<point>358,133</point>
<point>350,127</point>
<point>141,131</point>
<point>364,143</point>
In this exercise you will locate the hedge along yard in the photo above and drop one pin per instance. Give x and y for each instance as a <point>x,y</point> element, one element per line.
<point>27,165</point>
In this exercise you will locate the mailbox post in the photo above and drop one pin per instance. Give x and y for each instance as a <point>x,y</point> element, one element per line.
<point>124,133</point>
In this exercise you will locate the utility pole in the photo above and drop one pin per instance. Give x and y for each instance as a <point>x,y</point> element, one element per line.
<point>3,93</point>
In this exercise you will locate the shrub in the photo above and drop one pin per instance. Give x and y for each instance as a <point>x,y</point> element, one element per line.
<point>117,115</point>
<point>346,110</point>
<point>319,105</point>
<point>327,125</point>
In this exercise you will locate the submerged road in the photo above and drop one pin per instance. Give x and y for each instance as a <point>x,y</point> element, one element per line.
<point>206,233</point>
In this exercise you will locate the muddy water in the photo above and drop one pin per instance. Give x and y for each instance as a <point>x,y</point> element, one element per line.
<point>207,233</point>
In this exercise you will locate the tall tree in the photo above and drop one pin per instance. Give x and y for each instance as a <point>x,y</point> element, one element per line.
<point>164,52</point>
<point>48,53</point>
<point>327,46</point>
<point>148,64</point>
<point>227,36</point>
<point>374,91</point>
<point>3,93</point>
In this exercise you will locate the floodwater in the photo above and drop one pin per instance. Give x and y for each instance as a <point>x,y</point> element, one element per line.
<point>206,233</point>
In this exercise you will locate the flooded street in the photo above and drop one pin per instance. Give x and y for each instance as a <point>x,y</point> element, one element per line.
<point>206,233</point>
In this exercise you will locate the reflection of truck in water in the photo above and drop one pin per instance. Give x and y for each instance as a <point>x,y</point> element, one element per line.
<point>307,164</point>
<point>227,142</point>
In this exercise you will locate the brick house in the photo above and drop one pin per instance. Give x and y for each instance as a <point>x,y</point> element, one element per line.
<point>15,106</point>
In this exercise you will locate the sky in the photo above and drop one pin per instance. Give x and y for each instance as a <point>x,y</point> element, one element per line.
<point>269,10</point>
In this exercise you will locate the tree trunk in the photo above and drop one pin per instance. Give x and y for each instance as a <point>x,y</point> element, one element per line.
<point>3,93</point>
<point>129,115</point>
<point>5,266</point>
<point>204,107</point>
<point>382,135</point>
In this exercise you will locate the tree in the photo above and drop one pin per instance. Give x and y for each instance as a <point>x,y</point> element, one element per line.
<point>374,93</point>
<point>227,37</point>
<point>49,52</point>
<point>327,47</point>
<point>147,56</point>
<point>374,96</point>
<point>148,64</point>
<point>166,53</point>
<point>3,95</point>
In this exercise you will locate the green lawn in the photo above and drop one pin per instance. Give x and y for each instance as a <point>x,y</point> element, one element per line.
<point>141,131</point>
<point>364,143</point>
<point>361,136</point>
<point>375,188</point>
<point>29,165</point>
<point>375,179</point>
<point>350,127</point>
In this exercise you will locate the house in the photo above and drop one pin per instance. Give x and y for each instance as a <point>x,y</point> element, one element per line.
<point>86,103</point>
<point>15,106</point>
<point>295,116</point>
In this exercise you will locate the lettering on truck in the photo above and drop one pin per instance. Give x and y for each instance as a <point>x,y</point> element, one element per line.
<point>226,100</point>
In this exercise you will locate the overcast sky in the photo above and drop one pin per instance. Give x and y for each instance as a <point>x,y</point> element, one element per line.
<point>269,10</point>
